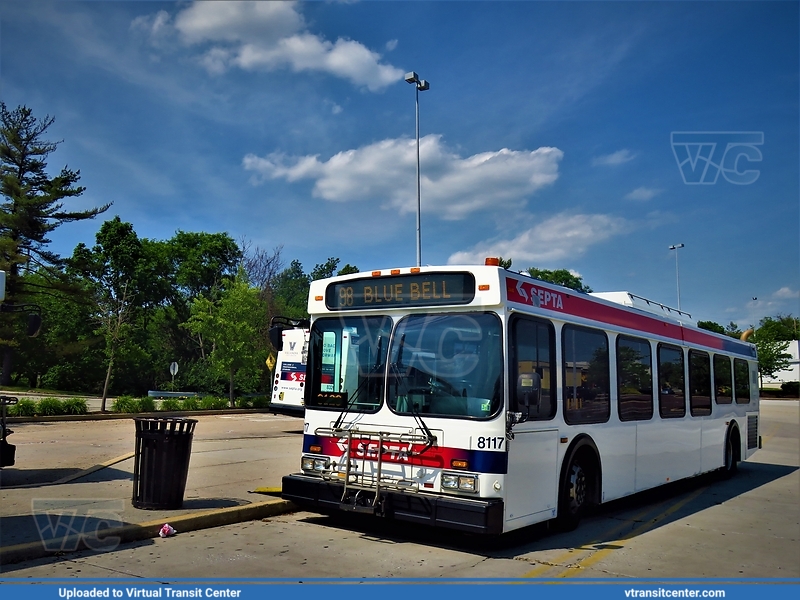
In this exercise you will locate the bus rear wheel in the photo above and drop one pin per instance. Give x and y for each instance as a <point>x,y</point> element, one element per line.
<point>731,454</point>
<point>573,496</point>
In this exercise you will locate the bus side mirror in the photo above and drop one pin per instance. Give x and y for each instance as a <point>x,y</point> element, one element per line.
<point>34,324</point>
<point>276,337</point>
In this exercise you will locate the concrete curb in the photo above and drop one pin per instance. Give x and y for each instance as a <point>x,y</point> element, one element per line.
<point>150,529</point>
<point>157,414</point>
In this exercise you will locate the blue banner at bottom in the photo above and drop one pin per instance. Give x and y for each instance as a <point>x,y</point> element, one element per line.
<point>462,589</point>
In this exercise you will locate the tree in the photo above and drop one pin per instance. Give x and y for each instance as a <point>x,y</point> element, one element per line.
<point>560,277</point>
<point>33,206</point>
<point>781,327</point>
<point>772,355</point>
<point>505,262</point>
<point>291,286</point>
<point>113,270</point>
<point>291,291</point>
<point>733,330</point>
<point>231,325</point>
<point>711,326</point>
<point>202,261</point>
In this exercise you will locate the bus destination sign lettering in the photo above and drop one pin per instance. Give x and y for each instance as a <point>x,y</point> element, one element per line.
<point>416,289</point>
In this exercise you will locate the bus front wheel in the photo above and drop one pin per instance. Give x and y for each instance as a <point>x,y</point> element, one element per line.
<point>573,496</point>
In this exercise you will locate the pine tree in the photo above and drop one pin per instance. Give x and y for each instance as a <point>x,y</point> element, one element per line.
<point>32,207</point>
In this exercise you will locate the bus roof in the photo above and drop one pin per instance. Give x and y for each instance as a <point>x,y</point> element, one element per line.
<point>494,286</point>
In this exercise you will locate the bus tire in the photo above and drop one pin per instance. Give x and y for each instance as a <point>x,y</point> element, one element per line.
<point>573,497</point>
<point>732,453</point>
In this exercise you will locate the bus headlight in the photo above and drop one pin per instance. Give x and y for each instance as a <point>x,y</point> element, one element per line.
<point>459,482</point>
<point>314,464</point>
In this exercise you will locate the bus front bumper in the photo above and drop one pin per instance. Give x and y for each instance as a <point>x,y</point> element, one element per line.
<point>464,514</point>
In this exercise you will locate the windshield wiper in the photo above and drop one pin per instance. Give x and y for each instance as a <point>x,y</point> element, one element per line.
<point>396,367</point>
<point>431,438</point>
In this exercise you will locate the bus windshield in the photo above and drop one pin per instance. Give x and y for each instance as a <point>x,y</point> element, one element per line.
<point>347,362</point>
<point>447,365</point>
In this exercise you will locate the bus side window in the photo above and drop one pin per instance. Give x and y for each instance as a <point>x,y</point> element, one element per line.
<point>741,379</point>
<point>723,379</point>
<point>533,346</point>
<point>699,383</point>
<point>587,381</point>
<point>634,379</point>
<point>671,382</point>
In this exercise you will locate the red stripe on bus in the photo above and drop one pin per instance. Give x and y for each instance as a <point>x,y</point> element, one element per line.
<point>533,294</point>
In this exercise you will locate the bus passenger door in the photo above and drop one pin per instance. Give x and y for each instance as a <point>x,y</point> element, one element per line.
<point>532,479</point>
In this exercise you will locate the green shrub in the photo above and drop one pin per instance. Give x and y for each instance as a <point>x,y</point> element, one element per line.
<point>125,404</point>
<point>213,403</point>
<point>74,406</point>
<point>244,403</point>
<point>260,402</point>
<point>49,407</point>
<point>23,408</point>
<point>190,404</point>
<point>171,404</point>
<point>791,388</point>
<point>147,404</point>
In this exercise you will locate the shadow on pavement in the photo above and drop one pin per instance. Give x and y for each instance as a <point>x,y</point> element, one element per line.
<point>11,478</point>
<point>594,530</point>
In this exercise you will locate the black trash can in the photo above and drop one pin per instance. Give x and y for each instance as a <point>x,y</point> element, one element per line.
<point>161,461</point>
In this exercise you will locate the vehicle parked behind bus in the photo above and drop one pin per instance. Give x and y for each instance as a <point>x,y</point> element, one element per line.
<point>290,371</point>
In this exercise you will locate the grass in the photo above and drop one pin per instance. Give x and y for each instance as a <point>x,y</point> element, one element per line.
<point>71,403</point>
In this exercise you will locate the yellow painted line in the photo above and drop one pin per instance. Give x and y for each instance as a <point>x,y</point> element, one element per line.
<point>598,555</point>
<point>96,467</point>
<point>556,562</point>
<point>267,490</point>
<point>79,474</point>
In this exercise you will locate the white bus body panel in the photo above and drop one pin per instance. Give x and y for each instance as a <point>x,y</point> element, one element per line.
<point>531,493</point>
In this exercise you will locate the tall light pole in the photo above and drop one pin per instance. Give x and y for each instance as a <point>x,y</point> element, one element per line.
<point>677,275</point>
<point>420,85</point>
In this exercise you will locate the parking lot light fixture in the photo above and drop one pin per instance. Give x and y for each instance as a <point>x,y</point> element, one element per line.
<point>420,85</point>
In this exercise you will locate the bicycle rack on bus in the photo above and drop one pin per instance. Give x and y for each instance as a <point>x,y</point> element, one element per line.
<point>354,482</point>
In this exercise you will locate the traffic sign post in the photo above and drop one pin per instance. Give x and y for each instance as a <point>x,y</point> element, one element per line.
<point>173,369</point>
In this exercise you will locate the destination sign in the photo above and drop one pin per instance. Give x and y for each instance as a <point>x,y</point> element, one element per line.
<point>416,289</point>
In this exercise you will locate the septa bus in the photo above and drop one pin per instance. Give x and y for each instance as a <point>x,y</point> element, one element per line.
<point>483,400</point>
<point>290,366</point>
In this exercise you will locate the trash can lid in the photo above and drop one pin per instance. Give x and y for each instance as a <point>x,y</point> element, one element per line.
<point>165,424</point>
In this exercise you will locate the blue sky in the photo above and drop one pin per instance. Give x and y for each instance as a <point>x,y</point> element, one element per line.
<point>546,135</point>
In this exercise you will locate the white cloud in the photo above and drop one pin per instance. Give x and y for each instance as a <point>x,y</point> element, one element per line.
<point>391,45</point>
<point>786,293</point>
<point>153,25</point>
<point>385,172</point>
<point>563,236</point>
<point>616,158</point>
<point>642,193</point>
<point>268,36</point>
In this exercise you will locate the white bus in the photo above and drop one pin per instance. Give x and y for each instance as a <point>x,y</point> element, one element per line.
<point>290,371</point>
<point>483,400</point>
